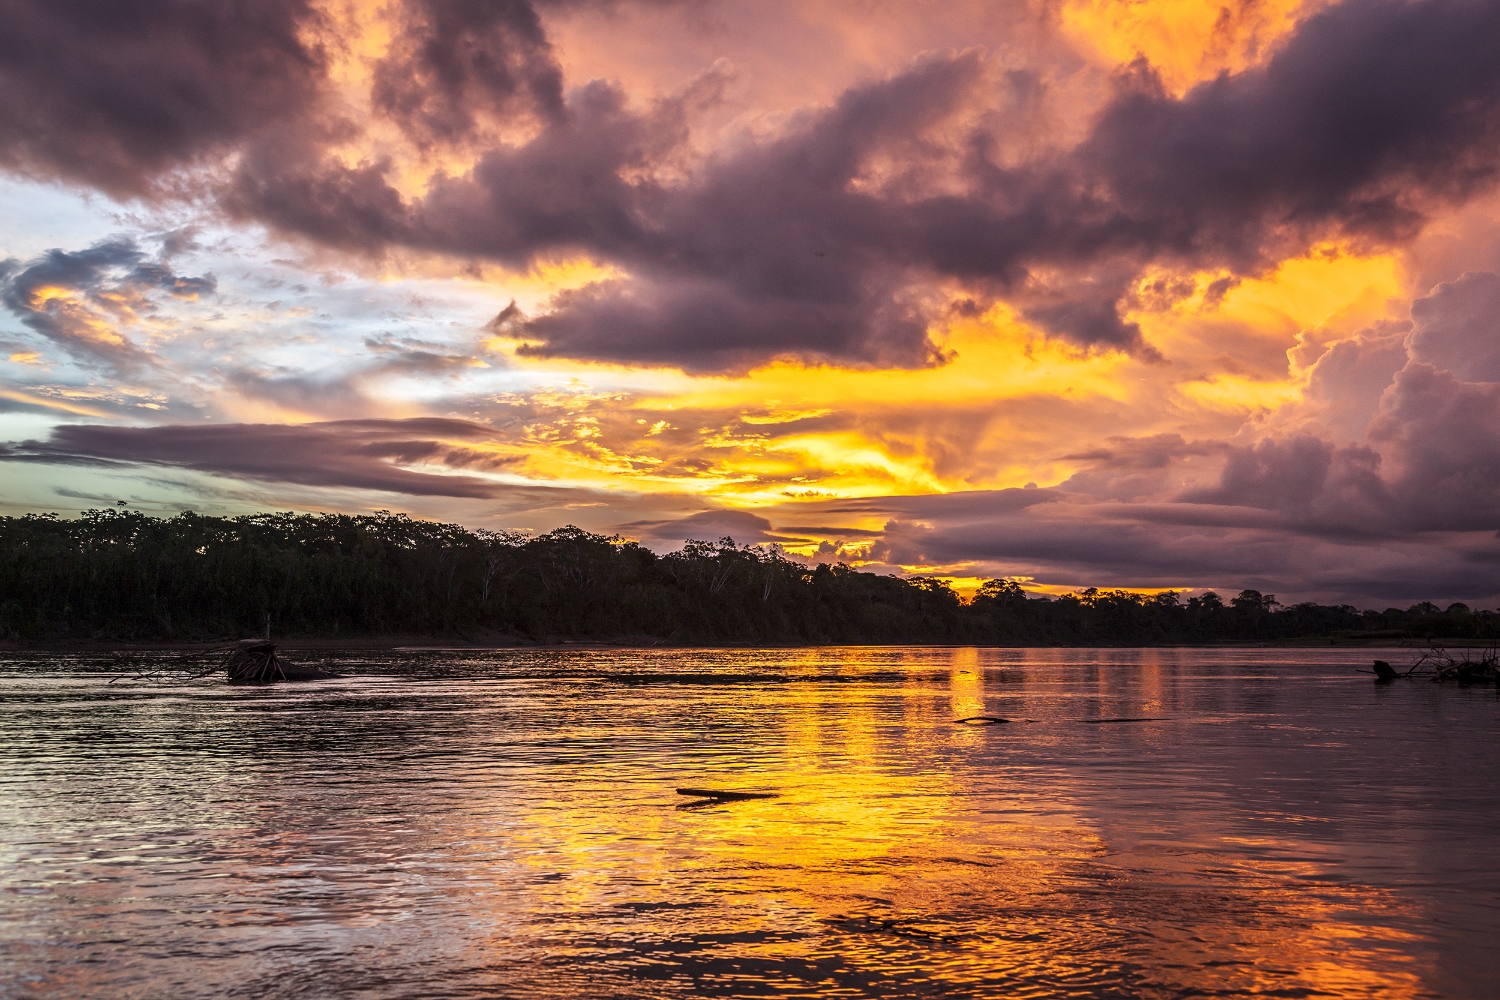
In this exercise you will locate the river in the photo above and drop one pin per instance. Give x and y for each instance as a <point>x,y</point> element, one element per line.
<point>435,823</point>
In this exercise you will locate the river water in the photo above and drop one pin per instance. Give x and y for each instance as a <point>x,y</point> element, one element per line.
<point>504,823</point>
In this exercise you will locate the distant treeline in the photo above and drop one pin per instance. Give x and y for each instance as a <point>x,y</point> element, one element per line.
<point>121,575</point>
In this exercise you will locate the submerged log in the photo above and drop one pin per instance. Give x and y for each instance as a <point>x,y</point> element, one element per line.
<point>254,661</point>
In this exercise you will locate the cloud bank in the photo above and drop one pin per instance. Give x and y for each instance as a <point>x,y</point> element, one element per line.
<point>821,241</point>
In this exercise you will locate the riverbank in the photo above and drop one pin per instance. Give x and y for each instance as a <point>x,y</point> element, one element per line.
<point>431,643</point>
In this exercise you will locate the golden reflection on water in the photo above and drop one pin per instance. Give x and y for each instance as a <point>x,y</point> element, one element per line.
<point>514,829</point>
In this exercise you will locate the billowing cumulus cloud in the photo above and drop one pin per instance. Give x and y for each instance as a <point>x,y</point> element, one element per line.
<point>1457,328</point>
<point>808,245</point>
<point>1347,381</point>
<point>455,62</point>
<point>1441,437</point>
<point>821,241</point>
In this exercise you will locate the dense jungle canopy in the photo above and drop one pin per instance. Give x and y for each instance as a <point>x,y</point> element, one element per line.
<point>121,575</point>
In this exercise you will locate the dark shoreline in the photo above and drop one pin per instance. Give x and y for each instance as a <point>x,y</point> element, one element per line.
<point>114,580</point>
<point>420,643</point>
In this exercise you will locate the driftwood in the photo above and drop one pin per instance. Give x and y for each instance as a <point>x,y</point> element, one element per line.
<point>995,720</point>
<point>712,796</point>
<point>1440,666</point>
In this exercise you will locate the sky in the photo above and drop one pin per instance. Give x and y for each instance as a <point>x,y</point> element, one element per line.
<point>1167,295</point>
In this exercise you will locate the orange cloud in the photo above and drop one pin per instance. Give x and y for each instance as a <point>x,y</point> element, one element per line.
<point>1185,41</point>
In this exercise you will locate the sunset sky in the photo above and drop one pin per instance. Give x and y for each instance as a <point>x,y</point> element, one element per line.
<point>1164,294</point>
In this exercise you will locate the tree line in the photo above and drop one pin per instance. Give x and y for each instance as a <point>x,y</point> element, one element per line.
<point>122,575</point>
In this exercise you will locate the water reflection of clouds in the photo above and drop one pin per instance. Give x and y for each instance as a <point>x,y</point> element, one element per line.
<point>512,826</point>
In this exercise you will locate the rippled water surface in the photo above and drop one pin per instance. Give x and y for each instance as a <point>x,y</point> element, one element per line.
<point>1154,823</point>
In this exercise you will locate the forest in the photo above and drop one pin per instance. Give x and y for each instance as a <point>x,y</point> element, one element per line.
<point>120,575</point>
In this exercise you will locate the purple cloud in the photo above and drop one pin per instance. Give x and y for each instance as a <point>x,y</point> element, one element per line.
<point>362,454</point>
<point>119,94</point>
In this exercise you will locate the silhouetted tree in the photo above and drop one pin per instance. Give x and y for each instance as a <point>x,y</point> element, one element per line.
<point>116,574</point>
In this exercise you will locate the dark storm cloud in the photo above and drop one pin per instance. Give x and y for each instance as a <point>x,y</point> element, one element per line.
<point>1301,484</point>
<point>765,253</point>
<point>713,326</point>
<point>1085,322</point>
<point>113,93</point>
<point>563,190</point>
<point>340,453</point>
<point>71,298</point>
<point>774,252</point>
<point>1370,111</point>
<point>1372,114</point>
<point>1369,115</point>
<point>455,60</point>
<point>1432,463</point>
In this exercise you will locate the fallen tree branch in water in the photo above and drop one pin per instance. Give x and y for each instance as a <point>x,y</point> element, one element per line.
<point>196,664</point>
<point>1441,666</point>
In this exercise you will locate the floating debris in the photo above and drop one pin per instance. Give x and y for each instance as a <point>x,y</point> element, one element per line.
<point>1440,666</point>
<point>713,795</point>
